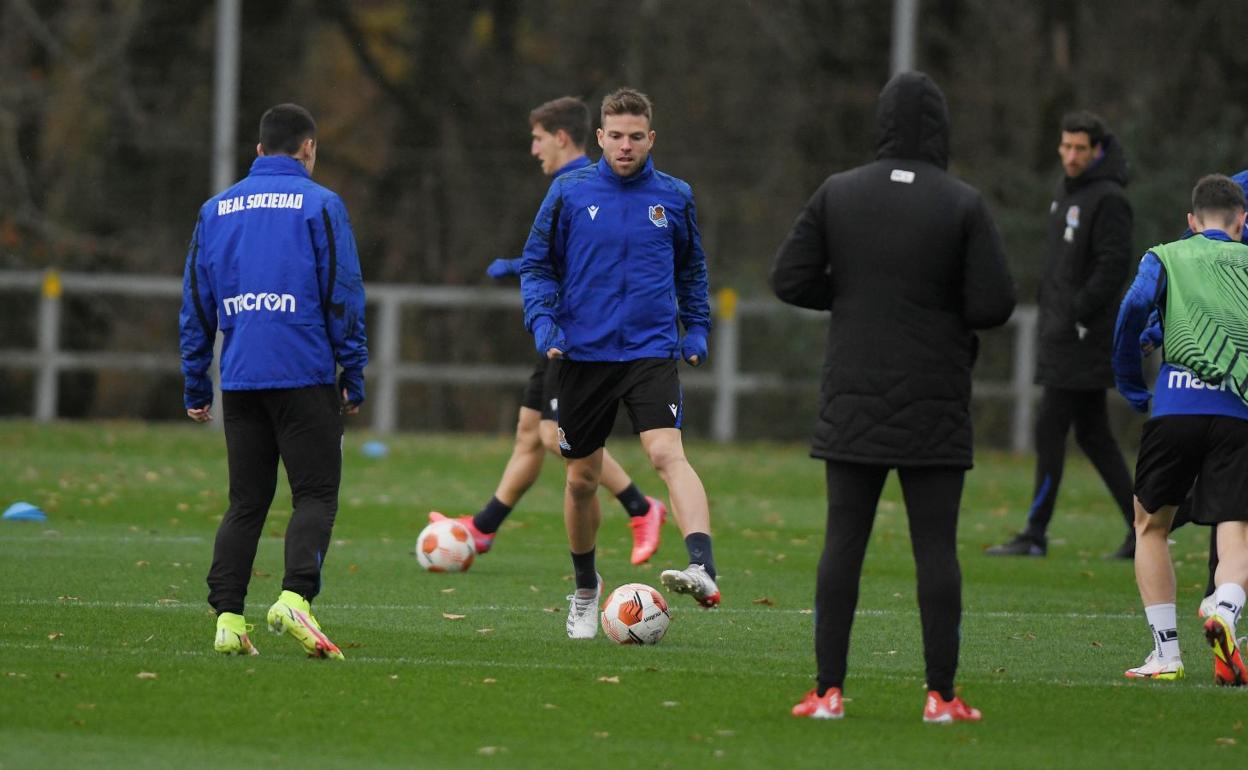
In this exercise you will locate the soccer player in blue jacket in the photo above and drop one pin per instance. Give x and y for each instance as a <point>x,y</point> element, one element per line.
<point>1162,483</point>
<point>559,129</point>
<point>612,269</point>
<point>272,264</point>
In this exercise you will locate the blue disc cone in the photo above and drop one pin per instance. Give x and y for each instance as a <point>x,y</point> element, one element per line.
<point>20,511</point>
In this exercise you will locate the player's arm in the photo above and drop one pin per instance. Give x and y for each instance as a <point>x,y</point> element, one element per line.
<point>539,275</point>
<point>800,274</point>
<point>692,292</point>
<point>342,290</point>
<point>1133,314</point>
<point>1110,245</point>
<point>197,330</point>
<point>988,296</point>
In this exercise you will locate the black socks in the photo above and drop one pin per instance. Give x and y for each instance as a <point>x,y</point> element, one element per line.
<point>491,517</point>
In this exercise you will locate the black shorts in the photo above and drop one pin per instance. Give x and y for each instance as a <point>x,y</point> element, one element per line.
<point>590,393</point>
<point>1176,450</point>
<point>539,392</point>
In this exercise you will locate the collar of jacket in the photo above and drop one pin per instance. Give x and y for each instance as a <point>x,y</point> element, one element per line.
<point>1216,235</point>
<point>571,165</point>
<point>605,170</point>
<point>272,165</point>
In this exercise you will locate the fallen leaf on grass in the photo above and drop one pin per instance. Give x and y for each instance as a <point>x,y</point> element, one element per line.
<point>260,573</point>
<point>141,563</point>
<point>670,704</point>
<point>453,616</point>
<point>550,609</point>
<point>805,612</point>
<point>1097,645</point>
<point>394,676</point>
<point>353,568</point>
<point>489,680</point>
<point>549,706</point>
<point>145,675</point>
<point>448,590</point>
<point>1226,741</point>
<point>602,734</point>
<point>485,630</point>
<point>766,601</point>
<point>489,751</point>
<point>609,679</point>
<point>52,637</point>
<point>533,589</point>
<point>61,675</point>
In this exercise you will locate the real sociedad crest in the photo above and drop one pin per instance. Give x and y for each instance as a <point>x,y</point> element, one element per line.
<point>658,216</point>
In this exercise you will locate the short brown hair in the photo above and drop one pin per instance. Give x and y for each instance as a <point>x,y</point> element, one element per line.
<point>567,113</point>
<point>627,101</point>
<point>1217,194</point>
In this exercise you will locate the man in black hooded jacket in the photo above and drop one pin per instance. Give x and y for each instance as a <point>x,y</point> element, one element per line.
<point>1089,257</point>
<point>907,259</point>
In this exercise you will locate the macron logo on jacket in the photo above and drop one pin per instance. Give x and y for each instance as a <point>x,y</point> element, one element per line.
<point>277,303</point>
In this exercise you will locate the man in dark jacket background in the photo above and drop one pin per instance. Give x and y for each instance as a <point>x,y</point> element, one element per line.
<point>1089,257</point>
<point>907,259</point>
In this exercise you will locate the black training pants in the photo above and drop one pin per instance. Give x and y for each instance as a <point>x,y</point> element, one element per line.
<point>1087,411</point>
<point>303,427</point>
<point>932,498</point>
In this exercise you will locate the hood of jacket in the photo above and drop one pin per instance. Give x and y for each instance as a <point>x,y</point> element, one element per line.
<point>1112,166</point>
<point>912,120</point>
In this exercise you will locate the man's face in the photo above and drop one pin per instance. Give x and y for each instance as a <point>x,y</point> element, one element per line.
<point>625,141</point>
<point>545,147</point>
<point>1077,152</point>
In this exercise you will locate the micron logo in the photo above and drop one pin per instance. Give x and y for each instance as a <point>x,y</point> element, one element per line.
<point>278,303</point>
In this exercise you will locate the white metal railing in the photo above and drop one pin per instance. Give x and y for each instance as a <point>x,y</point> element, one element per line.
<point>386,370</point>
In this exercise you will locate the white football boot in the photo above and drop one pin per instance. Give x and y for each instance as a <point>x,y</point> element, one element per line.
<point>695,581</point>
<point>583,614</point>
<point>1154,668</point>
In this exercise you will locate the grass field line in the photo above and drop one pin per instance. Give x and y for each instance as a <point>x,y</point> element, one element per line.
<point>485,665</point>
<point>59,538</point>
<point>178,605</point>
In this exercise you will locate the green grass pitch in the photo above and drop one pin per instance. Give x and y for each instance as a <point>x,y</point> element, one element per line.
<point>106,641</point>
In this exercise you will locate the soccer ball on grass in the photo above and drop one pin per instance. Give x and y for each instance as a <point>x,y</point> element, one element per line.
<point>445,546</point>
<point>635,613</point>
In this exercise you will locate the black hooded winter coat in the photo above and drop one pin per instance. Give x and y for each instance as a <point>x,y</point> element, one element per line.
<point>1088,260</point>
<point>907,259</point>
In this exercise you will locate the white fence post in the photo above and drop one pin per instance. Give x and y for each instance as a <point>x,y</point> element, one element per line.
<point>49,337</point>
<point>725,355</point>
<point>1024,373</point>
<point>386,409</point>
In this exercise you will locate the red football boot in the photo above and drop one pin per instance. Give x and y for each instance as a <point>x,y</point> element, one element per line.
<point>646,531</point>
<point>829,706</point>
<point>480,540</point>
<point>946,712</point>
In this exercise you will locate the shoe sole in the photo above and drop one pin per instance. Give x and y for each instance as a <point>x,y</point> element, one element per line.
<point>315,643</point>
<point>1164,676</point>
<point>1228,666</point>
<point>821,713</point>
<point>245,647</point>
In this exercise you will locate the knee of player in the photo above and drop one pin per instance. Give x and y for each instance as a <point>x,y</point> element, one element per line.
<point>582,480</point>
<point>666,456</point>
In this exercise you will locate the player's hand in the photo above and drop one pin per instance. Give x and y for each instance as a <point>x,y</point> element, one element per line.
<point>501,268</point>
<point>1150,339</point>
<point>347,406</point>
<point>549,339</point>
<point>1136,396</point>
<point>1081,330</point>
<point>200,413</point>
<point>693,347</point>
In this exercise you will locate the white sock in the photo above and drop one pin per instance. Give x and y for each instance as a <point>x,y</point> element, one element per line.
<point>1229,600</point>
<point>1164,622</point>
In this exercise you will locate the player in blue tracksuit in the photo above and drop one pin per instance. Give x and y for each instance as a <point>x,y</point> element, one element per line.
<point>273,264</point>
<point>1178,392</point>
<point>612,269</point>
<point>560,129</point>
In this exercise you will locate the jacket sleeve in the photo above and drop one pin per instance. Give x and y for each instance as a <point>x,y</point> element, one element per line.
<point>197,325</point>
<point>1110,261</point>
<point>800,273</point>
<point>988,295</point>
<point>1133,317</point>
<point>692,292</point>
<point>342,288</point>
<point>539,275</point>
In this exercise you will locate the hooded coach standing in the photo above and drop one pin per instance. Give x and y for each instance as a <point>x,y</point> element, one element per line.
<point>909,263</point>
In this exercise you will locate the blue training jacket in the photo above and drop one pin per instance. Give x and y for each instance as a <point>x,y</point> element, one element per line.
<point>273,263</point>
<point>1178,391</point>
<point>613,262</point>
